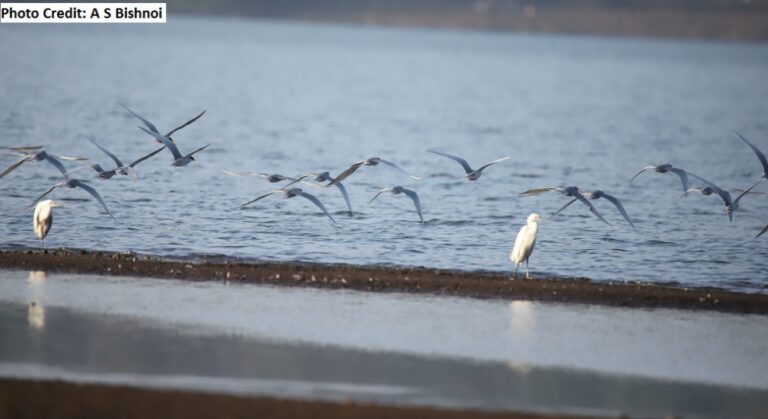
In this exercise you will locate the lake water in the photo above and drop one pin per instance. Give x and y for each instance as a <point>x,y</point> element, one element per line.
<point>289,98</point>
<point>388,348</point>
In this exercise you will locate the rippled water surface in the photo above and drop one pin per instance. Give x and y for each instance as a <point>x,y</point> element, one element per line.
<point>289,98</point>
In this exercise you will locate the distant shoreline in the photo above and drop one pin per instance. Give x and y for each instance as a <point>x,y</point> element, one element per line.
<point>737,21</point>
<point>389,279</point>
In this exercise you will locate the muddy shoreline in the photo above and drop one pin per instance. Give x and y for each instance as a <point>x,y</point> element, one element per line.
<point>388,279</point>
<point>73,400</point>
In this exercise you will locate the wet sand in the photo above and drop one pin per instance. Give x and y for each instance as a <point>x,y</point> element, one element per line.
<point>390,279</point>
<point>66,400</point>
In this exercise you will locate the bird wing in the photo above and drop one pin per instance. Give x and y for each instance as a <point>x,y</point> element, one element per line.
<point>461,161</point>
<point>379,193</point>
<point>57,164</point>
<point>44,195</point>
<point>112,156</point>
<point>166,141</point>
<point>149,125</point>
<point>96,168</point>
<point>259,198</point>
<point>389,163</point>
<point>343,191</point>
<point>316,202</point>
<point>539,191</point>
<point>620,207</point>
<point>493,162</point>
<point>198,150</point>
<point>762,231</point>
<point>23,149</point>
<point>233,173</point>
<point>725,196</point>
<point>141,159</point>
<point>185,124</point>
<point>565,206</point>
<point>345,174</point>
<point>592,208</point>
<point>293,181</point>
<point>68,158</point>
<point>683,176</point>
<point>14,166</point>
<point>93,193</point>
<point>759,153</point>
<point>644,169</point>
<point>415,197</point>
<point>736,201</point>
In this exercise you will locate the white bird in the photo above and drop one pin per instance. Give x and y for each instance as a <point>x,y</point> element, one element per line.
<point>471,173</point>
<point>121,169</point>
<point>326,177</point>
<point>705,191</point>
<point>178,159</point>
<point>43,218</point>
<point>38,157</point>
<point>398,190</point>
<point>664,168</point>
<point>167,141</point>
<point>524,244</point>
<point>154,129</point>
<point>731,204</point>
<point>760,155</point>
<point>292,193</point>
<point>75,183</point>
<point>597,195</point>
<point>373,161</point>
<point>271,178</point>
<point>762,231</point>
<point>569,191</point>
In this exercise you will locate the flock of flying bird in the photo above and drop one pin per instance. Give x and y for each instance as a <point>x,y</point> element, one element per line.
<point>524,244</point>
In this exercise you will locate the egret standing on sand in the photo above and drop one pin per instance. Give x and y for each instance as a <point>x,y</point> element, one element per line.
<point>526,240</point>
<point>43,218</point>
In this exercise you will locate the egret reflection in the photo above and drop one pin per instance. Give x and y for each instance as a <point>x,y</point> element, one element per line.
<point>521,317</point>
<point>36,309</point>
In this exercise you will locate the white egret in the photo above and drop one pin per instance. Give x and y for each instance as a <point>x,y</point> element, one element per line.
<point>292,193</point>
<point>569,191</point>
<point>373,161</point>
<point>43,219</point>
<point>760,155</point>
<point>664,168</point>
<point>597,195</point>
<point>471,173</point>
<point>398,190</point>
<point>524,244</point>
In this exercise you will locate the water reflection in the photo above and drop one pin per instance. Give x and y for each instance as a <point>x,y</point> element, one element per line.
<point>521,317</point>
<point>36,309</point>
<point>36,316</point>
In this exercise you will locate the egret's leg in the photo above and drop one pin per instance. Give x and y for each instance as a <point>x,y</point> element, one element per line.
<point>527,275</point>
<point>42,243</point>
<point>517,265</point>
